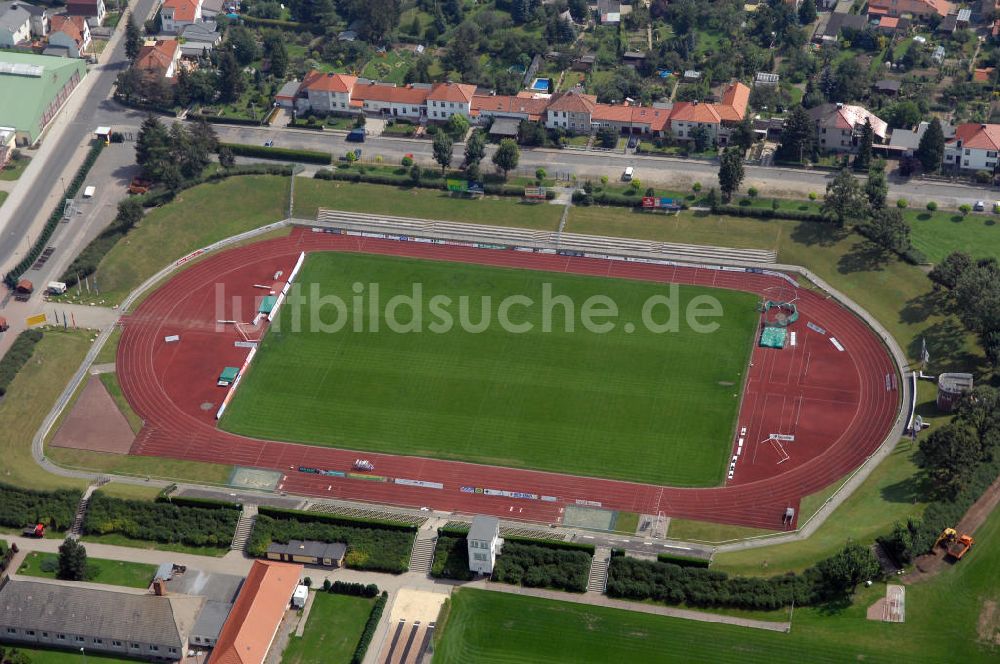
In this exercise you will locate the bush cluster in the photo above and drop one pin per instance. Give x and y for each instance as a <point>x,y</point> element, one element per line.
<point>683,561</point>
<point>451,559</point>
<point>380,546</point>
<point>50,226</point>
<point>768,213</point>
<point>17,356</point>
<point>429,179</point>
<point>280,154</point>
<point>204,503</point>
<point>85,264</point>
<point>222,119</point>
<point>366,636</point>
<point>154,199</point>
<point>25,507</point>
<point>161,522</point>
<point>537,565</point>
<point>353,589</point>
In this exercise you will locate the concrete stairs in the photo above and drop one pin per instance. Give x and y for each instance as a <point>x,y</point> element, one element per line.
<point>81,509</point>
<point>422,556</point>
<point>244,527</point>
<point>598,580</point>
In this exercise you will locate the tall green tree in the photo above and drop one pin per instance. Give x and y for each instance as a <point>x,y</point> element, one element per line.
<point>72,560</point>
<point>743,135</point>
<point>863,159</point>
<point>807,12</point>
<point>730,171</point>
<point>506,156</point>
<point>274,48</point>
<point>889,230</point>
<point>797,137</point>
<point>876,188</point>
<point>231,82</point>
<point>152,147</point>
<point>443,149</point>
<point>844,201</point>
<point>930,151</point>
<point>133,38</point>
<point>243,44</point>
<point>701,139</point>
<point>475,148</point>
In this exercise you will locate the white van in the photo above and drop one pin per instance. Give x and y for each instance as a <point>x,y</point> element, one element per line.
<point>88,192</point>
<point>627,175</point>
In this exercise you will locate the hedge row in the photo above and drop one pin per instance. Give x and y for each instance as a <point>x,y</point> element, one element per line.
<point>451,559</point>
<point>281,154</point>
<point>352,589</point>
<point>205,503</point>
<point>540,566</point>
<point>768,213</point>
<point>683,561</point>
<point>425,182</point>
<point>370,545</point>
<point>336,519</point>
<point>912,255</point>
<point>366,636</point>
<point>50,226</point>
<point>222,119</point>
<point>160,522</point>
<point>459,531</point>
<point>25,507</point>
<point>17,356</point>
<point>163,197</point>
<point>279,24</point>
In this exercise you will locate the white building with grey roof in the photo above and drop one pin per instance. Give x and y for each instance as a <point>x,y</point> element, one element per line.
<point>484,544</point>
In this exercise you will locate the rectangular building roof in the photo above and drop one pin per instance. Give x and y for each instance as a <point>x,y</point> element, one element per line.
<point>484,527</point>
<point>107,614</point>
<point>311,548</point>
<point>26,96</point>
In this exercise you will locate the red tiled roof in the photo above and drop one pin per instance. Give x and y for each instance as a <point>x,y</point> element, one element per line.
<point>939,7</point>
<point>158,56</point>
<point>254,619</point>
<point>656,118</point>
<point>979,136</point>
<point>72,26</point>
<point>82,7</point>
<point>460,92</point>
<point>734,102</point>
<point>888,22</point>
<point>324,82</point>
<point>573,102</point>
<point>612,113</point>
<point>390,93</point>
<point>533,108</point>
<point>982,75</point>
<point>184,10</point>
<point>687,111</point>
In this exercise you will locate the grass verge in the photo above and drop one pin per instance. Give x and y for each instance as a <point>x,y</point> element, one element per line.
<point>332,631</point>
<point>110,382</point>
<point>99,570</point>
<point>115,539</point>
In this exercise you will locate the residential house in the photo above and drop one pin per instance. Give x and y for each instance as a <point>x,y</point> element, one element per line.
<point>571,111</point>
<point>8,143</point>
<point>982,74</point>
<point>715,118</point>
<point>974,147</point>
<point>888,86</point>
<point>948,25</point>
<point>175,14</point>
<point>92,9</point>
<point>409,101</point>
<point>838,22</point>
<point>916,8</point>
<point>584,63</point>
<point>212,8</point>
<point>158,59</point>
<point>199,39</point>
<point>326,93</point>
<point>523,106</point>
<point>15,24</point>
<point>906,141</point>
<point>484,543</point>
<point>448,99</point>
<point>839,126</point>
<point>50,614</point>
<point>609,12</point>
<point>71,33</point>
<point>288,94</point>
<point>40,18</point>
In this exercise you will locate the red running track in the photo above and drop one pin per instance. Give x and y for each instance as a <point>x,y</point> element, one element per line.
<point>835,403</point>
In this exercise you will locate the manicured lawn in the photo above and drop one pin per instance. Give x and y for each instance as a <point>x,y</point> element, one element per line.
<point>110,381</point>
<point>575,401</point>
<point>942,619</point>
<point>141,466</point>
<point>99,570</point>
<point>703,531</point>
<point>389,67</point>
<point>198,217</point>
<point>39,656</point>
<point>3,197</point>
<point>310,195</point>
<point>939,233</point>
<point>626,522</point>
<point>27,402</point>
<point>332,631</point>
<point>14,168</point>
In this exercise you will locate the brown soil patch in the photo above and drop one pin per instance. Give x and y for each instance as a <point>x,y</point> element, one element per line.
<point>989,623</point>
<point>877,610</point>
<point>95,423</point>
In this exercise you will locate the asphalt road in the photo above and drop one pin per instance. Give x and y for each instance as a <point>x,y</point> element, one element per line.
<point>677,172</point>
<point>95,109</point>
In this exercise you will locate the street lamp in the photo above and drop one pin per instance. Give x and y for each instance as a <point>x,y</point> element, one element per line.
<point>84,654</point>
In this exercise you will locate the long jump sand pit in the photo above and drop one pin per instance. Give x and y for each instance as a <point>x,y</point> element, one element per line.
<point>95,423</point>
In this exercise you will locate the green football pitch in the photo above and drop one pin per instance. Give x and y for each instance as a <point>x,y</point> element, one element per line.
<point>643,405</point>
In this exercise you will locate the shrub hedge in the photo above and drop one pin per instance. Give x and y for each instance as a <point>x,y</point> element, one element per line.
<point>451,559</point>
<point>50,226</point>
<point>281,154</point>
<point>161,522</point>
<point>222,119</point>
<point>366,636</point>
<point>430,179</point>
<point>25,507</point>
<point>381,546</point>
<point>768,213</point>
<point>683,561</point>
<point>353,589</point>
<point>280,24</point>
<point>155,199</point>
<point>536,565</point>
<point>204,503</point>
<point>17,356</point>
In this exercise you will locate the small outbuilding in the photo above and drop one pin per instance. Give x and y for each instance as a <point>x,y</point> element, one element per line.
<point>309,552</point>
<point>505,127</point>
<point>484,544</point>
<point>951,388</point>
<point>300,596</point>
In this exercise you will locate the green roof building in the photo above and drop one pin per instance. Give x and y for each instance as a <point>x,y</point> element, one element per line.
<point>34,89</point>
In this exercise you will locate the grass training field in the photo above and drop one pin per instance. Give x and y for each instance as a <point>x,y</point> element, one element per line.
<point>615,405</point>
<point>332,631</point>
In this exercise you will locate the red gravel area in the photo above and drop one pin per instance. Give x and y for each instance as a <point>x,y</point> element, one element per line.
<point>95,423</point>
<point>835,403</point>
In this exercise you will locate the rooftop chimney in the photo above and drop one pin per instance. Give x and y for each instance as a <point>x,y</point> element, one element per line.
<point>159,587</point>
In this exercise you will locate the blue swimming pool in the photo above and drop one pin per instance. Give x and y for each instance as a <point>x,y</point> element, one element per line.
<point>541,84</point>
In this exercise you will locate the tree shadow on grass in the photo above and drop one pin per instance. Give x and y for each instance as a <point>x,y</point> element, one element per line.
<point>864,256</point>
<point>835,606</point>
<point>810,233</point>
<point>908,491</point>
<point>932,303</point>
<point>946,347</point>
